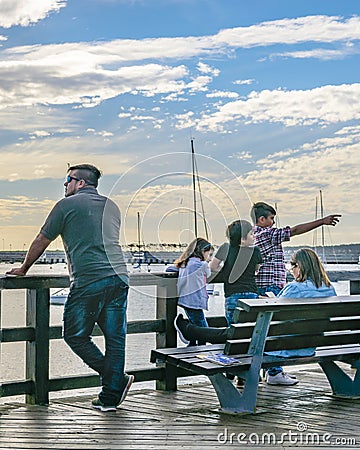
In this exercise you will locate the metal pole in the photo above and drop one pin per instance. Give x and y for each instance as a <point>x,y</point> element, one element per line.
<point>322,227</point>
<point>194,186</point>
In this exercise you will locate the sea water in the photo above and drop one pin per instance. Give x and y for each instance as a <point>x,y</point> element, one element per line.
<point>63,362</point>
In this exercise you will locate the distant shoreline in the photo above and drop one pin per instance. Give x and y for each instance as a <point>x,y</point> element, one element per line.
<point>343,253</point>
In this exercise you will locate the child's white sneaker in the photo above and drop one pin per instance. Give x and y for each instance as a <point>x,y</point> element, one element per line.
<point>281,378</point>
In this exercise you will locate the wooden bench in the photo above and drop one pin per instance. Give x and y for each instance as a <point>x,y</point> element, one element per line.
<point>330,324</point>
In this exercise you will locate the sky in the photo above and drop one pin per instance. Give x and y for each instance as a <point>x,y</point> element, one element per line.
<point>268,91</point>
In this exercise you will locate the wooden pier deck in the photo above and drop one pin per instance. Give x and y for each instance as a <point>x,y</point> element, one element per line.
<point>302,416</point>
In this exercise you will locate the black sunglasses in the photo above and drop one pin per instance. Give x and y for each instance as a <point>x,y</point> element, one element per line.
<point>69,178</point>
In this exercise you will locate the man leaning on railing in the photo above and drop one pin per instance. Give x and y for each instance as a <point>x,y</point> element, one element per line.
<point>89,226</point>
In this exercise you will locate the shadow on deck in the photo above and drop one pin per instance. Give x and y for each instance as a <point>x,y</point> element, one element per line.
<point>302,416</point>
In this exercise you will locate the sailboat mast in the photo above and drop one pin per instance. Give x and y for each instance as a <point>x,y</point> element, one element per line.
<point>316,217</point>
<point>194,187</point>
<point>322,227</point>
<point>139,233</point>
<point>277,220</point>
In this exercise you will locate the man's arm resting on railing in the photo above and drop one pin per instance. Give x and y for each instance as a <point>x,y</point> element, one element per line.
<point>37,248</point>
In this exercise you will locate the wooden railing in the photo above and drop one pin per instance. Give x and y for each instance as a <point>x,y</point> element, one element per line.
<point>37,334</point>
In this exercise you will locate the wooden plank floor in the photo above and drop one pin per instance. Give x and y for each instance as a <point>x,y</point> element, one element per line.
<point>302,416</point>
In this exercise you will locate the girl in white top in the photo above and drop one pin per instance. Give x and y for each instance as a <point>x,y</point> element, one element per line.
<point>191,286</point>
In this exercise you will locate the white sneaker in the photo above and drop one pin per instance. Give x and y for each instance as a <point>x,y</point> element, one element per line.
<point>285,373</point>
<point>281,378</point>
<point>290,375</point>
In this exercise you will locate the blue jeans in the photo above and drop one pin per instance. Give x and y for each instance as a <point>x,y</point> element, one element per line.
<point>275,289</point>
<point>197,317</point>
<point>231,304</point>
<point>103,302</point>
<point>271,288</point>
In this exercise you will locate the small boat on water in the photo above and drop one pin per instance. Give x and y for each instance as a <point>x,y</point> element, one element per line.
<point>59,297</point>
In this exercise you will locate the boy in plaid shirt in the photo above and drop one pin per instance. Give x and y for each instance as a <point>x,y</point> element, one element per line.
<point>272,274</point>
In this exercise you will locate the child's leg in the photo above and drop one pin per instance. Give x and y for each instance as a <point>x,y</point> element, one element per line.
<point>196,317</point>
<point>231,304</point>
<point>271,371</point>
<point>206,334</point>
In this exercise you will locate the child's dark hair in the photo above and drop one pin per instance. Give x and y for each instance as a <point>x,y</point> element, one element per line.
<point>260,209</point>
<point>195,248</point>
<point>238,230</point>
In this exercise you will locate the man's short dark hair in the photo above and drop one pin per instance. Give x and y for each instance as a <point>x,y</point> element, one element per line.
<point>260,209</point>
<point>87,172</point>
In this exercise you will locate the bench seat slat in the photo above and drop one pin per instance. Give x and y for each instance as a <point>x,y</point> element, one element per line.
<point>338,353</point>
<point>199,366</point>
<point>209,368</point>
<point>294,342</point>
<point>182,350</point>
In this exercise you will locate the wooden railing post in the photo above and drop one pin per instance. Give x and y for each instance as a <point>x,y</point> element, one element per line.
<point>166,309</point>
<point>37,351</point>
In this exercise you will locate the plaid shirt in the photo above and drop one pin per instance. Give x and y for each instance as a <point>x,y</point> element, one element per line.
<point>273,270</point>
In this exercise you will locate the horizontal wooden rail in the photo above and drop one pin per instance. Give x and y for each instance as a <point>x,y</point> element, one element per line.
<point>20,334</point>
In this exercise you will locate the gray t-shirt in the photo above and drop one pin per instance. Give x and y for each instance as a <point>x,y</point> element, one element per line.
<point>89,225</point>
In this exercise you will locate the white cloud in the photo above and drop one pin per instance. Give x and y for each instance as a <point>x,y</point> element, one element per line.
<point>240,82</point>
<point>44,84</point>
<point>23,209</point>
<point>142,118</point>
<point>36,159</point>
<point>173,97</point>
<point>26,12</point>
<point>205,68</point>
<point>331,164</point>
<point>292,31</point>
<point>319,53</point>
<point>349,130</point>
<point>244,155</point>
<point>323,105</point>
<point>26,119</point>
<point>40,133</point>
<point>199,84</point>
<point>102,133</point>
<point>88,73</point>
<point>222,94</point>
<point>186,120</point>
